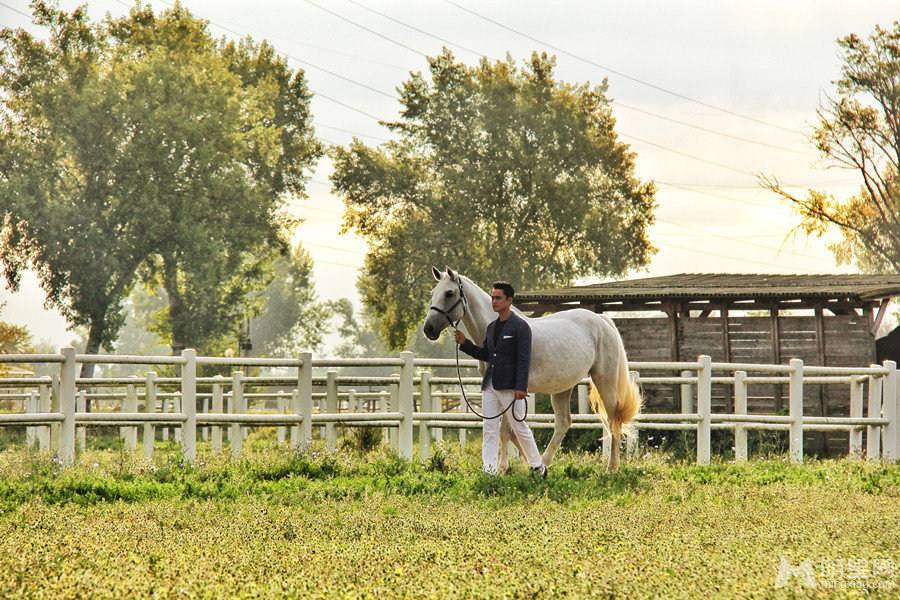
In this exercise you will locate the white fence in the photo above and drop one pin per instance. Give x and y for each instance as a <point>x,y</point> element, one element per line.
<point>54,407</point>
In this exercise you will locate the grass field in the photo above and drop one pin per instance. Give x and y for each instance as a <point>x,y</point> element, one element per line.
<point>351,525</point>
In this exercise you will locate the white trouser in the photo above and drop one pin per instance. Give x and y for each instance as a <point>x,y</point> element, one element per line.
<point>493,402</point>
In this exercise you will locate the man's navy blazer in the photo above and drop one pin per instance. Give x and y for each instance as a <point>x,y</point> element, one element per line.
<point>509,362</point>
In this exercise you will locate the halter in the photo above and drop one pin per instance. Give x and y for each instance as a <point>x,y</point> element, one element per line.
<point>446,313</point>
<point>462,299</point>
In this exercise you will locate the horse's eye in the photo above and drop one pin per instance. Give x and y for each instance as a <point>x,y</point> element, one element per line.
<point>449,293</point>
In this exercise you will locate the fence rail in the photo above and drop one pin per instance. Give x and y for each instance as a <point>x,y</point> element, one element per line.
<point>55,416</point>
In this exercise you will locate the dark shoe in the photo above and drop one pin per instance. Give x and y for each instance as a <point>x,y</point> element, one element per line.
<point>540,470</point>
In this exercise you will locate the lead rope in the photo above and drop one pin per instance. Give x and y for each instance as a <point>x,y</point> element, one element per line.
<point>469,404</point>
<point>462,389</point>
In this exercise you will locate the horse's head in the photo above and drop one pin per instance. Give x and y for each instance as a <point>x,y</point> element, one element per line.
<point>448,303</point>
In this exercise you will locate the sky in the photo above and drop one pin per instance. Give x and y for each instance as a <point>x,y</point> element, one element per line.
<point>707,94</point>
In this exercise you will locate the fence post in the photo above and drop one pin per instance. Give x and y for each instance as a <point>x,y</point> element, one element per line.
<point>177,404</point>
<point>205,405</point>
<point>304,402</point>
<point>31,407</point>
<point>331,406</point>
<point>740,408</point>
<point>704,408</point>
<point>281,432</point>
<point>164,408</point>
<point>44,407</point>
<point>352,401</point>
<point>889,410</point>
<point>425,406</point>
<point>81,432</point>
<point>237,407</point>
<point>873,432</point>
<point>437,405</point>
<point>856,412</point>
<point>405,397</point>
<point>55,406</point>
<point>394,406</point>
<point>129,434</point>
<point>189,405</point>
<point>383,405</point>
<point>149,408</point>
<point>796,411</point>
<point>67,406</point>
<point>217,407</point>
<point>687,394</point>
<point>584,405</point>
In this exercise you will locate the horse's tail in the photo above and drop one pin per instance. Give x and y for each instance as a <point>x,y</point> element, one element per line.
<point>628,401</point>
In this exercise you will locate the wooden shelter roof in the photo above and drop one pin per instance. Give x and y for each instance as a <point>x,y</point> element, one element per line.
<point>723,287</point>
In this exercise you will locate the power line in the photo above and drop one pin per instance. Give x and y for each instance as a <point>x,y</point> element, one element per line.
<point>615,102</point>
<point>16,10</point>
<point>297,59</point>
<point>234,32</point>
<point>351,132</point>
<point>686,155</point>
<point>621,73</point>
<point>414,28</point>
<point>380,35</point>
<point>707,130</point>
<point>335,248</point>
<point>354,57</point>
<point>331,262</point>
<point>716,196</point>
<point>364,28</point>
<point>720,255</point>
<point>749,187</point>
<point>741,241</point>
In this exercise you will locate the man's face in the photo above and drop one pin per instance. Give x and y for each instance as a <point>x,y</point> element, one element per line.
<point>499,301</point>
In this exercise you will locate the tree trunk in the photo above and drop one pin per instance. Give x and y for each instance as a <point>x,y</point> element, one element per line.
<point>176,304</point>
<point>93,347</point>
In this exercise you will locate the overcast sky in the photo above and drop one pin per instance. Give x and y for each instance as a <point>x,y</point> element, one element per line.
<point>771,62</point>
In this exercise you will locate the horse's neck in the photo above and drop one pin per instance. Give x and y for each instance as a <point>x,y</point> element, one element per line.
<point>479,314</point>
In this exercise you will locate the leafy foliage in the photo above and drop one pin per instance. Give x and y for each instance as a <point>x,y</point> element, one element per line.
<point>142,146</point>
<point>501,171</point>
<point>14,339</point>
<point>859,130</point>
<point>70,208</point>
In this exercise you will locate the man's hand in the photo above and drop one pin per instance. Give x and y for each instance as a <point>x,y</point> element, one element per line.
<point>520,395</point>
<point>460,337</point>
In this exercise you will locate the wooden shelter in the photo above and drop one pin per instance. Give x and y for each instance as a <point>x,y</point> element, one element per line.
<point>822,319</point>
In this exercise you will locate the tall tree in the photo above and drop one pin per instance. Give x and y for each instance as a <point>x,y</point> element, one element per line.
<point>237,141</point>
<point>71,201</point>
<point>291,318</point>
<point>499,171</point>
<point>859,130</point>
<point>141,145</point>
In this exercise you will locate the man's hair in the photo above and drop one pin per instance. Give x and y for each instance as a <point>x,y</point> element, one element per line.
<point>506,287</point>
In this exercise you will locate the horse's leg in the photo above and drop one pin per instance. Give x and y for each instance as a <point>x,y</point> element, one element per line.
<point>606,386</point>
<point>562,416</point>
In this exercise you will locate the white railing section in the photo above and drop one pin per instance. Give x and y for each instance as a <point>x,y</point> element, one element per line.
<point>54,413</point>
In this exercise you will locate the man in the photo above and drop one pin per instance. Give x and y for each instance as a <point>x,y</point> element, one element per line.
<point>507,350</point>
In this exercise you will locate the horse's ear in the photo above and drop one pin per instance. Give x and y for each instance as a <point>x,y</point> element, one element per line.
<point>452,274</point>
<point>436,273</point>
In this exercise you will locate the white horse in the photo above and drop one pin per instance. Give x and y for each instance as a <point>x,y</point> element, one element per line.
<point>565,348</point>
